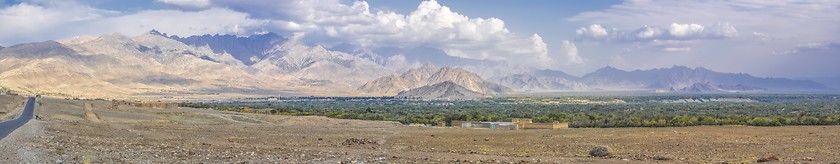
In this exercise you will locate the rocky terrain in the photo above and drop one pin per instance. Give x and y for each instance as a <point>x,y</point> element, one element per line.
<point>10,107</point>
<point>444,90</point>
<point>428,75</point>
<point>129,134</point>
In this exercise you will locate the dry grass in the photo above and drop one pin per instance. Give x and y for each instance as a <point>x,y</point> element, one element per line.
<point>193,135</point>
<point>10,106</point>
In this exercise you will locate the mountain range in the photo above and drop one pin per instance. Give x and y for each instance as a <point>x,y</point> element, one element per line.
<point>428,75</point>
<point>609,78</point>
<point>157,65</point>
<point>444,90</point>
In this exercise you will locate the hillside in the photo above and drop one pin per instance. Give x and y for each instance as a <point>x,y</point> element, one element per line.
<point>709,87</point>
<point>428,75</point>
<point>444,90</point>
<point>153,65</point>
<point>537,83</point>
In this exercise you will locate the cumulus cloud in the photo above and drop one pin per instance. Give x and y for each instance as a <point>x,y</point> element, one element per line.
<point>674,31</point>
<point>592,31</point>
<point>187,3</point>
<point>571,52</point>
<point>430,24</point>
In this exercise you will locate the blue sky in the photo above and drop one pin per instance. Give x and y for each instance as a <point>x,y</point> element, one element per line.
<point>765,38</point>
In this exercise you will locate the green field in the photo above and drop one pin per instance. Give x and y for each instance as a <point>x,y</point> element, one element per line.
<point>642,110</point>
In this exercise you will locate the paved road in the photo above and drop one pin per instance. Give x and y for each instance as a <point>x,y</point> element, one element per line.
<point>9,126</point>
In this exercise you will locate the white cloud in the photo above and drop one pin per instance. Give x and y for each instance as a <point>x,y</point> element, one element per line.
<point>593,31</point>
<point>685,30</point>
<point>571,52</point>
<point>184,23</point>
<point>430,24</point>
<point>674,31</point>
<point>316,21</point>
<point>187,3</point>
<point>31,22</point>
<point>733,32</point>
<point>676,49</point>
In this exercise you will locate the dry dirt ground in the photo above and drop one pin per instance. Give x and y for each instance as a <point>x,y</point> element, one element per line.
<point>10,106</point>
<point>124,134</point>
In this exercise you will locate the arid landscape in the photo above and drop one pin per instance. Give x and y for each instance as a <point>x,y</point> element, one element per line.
<point>11,106</point>
<point>429,81</point>
<point>129,134</point>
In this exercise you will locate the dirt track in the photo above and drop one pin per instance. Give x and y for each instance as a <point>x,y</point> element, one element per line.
<point>147,135</point>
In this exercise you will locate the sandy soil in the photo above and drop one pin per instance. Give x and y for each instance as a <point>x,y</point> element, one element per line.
<point>10,106</point>
<point>146,135</point>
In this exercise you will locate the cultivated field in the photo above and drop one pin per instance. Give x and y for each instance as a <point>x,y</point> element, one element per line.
<point>127,134</point>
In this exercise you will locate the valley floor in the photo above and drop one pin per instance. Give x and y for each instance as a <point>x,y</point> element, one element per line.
<point>125,134</point>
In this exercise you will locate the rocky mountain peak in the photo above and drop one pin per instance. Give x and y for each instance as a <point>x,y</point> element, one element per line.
<point>442,90</point>
<point>249,50</point>
<point>429,74</point>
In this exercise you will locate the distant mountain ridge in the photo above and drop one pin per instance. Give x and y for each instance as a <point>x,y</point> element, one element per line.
<point>443,90</point>
<point>552,82</point>
<point>608,78</point>
<point>155,64</point>
<point>248,50</point>
<point>429,74</point>
<point>709,87</point>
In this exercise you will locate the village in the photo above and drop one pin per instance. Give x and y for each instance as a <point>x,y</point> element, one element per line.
<point>515,124</point>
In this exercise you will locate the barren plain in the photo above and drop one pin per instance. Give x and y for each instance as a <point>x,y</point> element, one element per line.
<point>65,133</point>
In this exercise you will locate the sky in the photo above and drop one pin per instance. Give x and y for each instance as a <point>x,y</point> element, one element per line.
<point>795,39</point>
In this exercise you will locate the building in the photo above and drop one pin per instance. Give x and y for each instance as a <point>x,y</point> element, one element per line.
<point>490,125</point>
<point>527,123</point>
<point>515,124</point>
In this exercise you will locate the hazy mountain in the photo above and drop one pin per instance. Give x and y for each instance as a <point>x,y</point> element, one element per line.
<point>709,87</point>
<point>541,83</point>
<point>411,55</point>
<point>274,56</point>
<point>609,78</point>
<point>115,65</point>
<point>555,73</point>
<point>316,63</point>
<point>429,74</point>
<point>833,82</point>
<point>443,90</point>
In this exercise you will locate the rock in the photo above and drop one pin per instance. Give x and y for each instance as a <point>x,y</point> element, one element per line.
<point>359,141</point>
<point>767,158</point>
<point>662,157</point>
<point>600,151</point>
